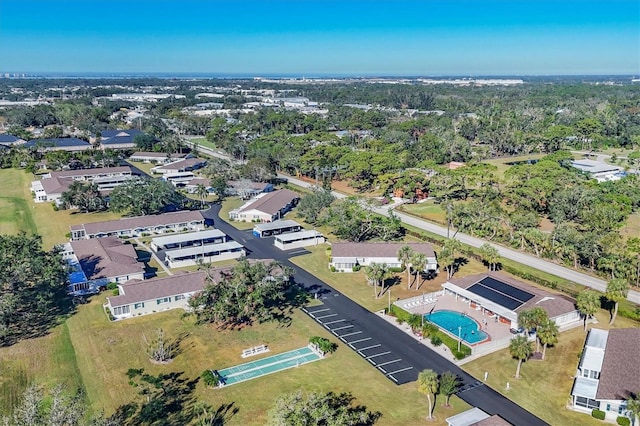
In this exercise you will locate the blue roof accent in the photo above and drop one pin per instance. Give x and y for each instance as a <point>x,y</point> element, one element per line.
<point>119,136</point>
<point>5,138</point>
<point>56,142</point>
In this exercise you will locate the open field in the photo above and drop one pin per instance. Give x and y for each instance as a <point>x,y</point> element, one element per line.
<point>545,386</point>
<point>427,210</point>
<point>106,350</point>
<point>229,204</point>
<point>501,163</point>
<point>18,211</point>
<point>632,226</point>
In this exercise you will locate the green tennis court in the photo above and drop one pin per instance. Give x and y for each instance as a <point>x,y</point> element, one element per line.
<point>264,366</point>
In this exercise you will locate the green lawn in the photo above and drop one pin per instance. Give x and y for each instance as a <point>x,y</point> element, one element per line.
<point>18,211</point>
<point>545,386</point>
<point>427,210</point>
<point>229,204</point>
<point>106,350</point>
<point>501,163</point>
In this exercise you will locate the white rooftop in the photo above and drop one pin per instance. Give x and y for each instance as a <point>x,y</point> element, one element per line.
<point>468,417</point>
<point>585,387</point>
<point>597,338</point>
<point>203,250</point>
<point>276,224</point>
<point>190,236</point>
<point>591,166</point>
<point>293,236</point>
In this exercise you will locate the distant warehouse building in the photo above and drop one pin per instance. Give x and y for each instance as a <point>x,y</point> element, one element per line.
<point>599,171</point>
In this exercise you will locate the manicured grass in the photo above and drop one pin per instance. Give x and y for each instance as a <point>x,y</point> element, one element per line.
<point>354,284</point>
<point>428,210</point>
<point>145,167</point>
<point>106,350</point>
<point>545,386</point>
<point>229,204</point>
<point>632,226</point>
<point>46,361</point>
<point>501,163</point>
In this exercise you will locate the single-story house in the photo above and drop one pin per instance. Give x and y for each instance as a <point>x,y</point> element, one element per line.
<point>345,256</point>
<point>155,295</point>
<point>246,189</point>
<point>608,372</point>
<point>137,226</point>
<point>10,140</point>
<point>476,417</point>
<point>52,185</point>
<point>97,262</point>
<point>156,157</point>
<point>266,207</point>
<point>191,186</point>
<point>119,139</point>
<point>184,165</point>
<point>59,144</point>
<point>189,239</point>
<point>502,296</point>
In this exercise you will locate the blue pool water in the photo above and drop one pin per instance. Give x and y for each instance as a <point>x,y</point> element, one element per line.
<point>450,321</point>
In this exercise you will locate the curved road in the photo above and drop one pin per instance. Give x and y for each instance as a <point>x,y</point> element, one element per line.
<point>507,253</point>
<point>393,341</point>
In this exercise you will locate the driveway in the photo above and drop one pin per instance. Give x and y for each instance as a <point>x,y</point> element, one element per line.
<point>396,355</point>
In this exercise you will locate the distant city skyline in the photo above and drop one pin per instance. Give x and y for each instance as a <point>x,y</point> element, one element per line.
<point>321,38</point>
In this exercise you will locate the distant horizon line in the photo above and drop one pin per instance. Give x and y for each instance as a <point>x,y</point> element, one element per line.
<point>303,76</point>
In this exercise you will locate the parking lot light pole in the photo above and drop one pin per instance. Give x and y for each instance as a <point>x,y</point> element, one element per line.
<point>459,338</point>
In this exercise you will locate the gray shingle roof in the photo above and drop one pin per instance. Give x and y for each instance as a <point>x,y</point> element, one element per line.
<point>140,222</point>
<point>91,172</point>
<point>57,142</point>
<point>106,257</point>
<point>620,374</point>
<point>140,291</point>
<point>272,202</point>
<point>554,304</point>
<point>344,249</point>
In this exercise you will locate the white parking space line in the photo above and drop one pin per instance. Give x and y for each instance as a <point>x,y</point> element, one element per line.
<point>390,362</point>
<point>369,347</point>
<point>336,321</point>
<point>342,328</point>
<point>327,316</point>
<point>353,334</point>
<point>318,310</point>
<point>357,341</point>
<point>400,371</point>
<point>380,354</point>
<point>393,378</point>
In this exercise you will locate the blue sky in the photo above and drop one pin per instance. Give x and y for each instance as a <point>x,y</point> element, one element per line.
<point>320,37</point>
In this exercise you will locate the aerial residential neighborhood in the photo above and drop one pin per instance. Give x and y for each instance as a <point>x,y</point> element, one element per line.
<point>319,213</point>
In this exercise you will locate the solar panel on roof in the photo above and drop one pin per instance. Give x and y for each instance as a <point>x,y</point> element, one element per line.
<point>494,296</point>
<point>507,289</point>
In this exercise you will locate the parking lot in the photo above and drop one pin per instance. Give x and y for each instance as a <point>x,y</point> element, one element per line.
<point>377,354</point>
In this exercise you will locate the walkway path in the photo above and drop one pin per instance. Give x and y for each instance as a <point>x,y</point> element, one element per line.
<point>507,253</point>
<point>153,255</point>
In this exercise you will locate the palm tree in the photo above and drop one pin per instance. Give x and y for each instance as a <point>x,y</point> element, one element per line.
<point>490,255</point>
<point>405,253</point>
<point>633,406</point>
<point>419,261</point>
<point>617,290</point>
<point>376,274</point>
<point>531,319</point>
<point>520,349</point>
<point>428,385</point>
<point>548,334</point>
<point>588,302</point>
<point>449,384</point>
<point>202,192</point>
<point>633,247</point>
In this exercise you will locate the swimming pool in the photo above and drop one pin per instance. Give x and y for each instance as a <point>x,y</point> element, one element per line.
<point>450,320</point>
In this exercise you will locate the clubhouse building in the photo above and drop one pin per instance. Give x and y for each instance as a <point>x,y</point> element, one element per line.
<point>345,256</point>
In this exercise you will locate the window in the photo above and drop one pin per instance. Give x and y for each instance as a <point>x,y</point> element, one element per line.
<point>163,300</point>
<point>179,297</point>
<point>594,374</point>
<point>138,305</point>
<point>121,310</point>
<point>587,402</point>
<point>81,287</point>
<point>585,373</point>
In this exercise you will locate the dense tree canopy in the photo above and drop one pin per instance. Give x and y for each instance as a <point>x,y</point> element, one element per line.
<point>138,197</point>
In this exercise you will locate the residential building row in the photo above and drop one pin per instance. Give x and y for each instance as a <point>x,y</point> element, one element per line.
<point>266,207</point>
<point>346,256</point>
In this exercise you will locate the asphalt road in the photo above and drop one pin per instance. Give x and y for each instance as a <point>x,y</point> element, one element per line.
<point>507,253</point>
<point>394,343</point>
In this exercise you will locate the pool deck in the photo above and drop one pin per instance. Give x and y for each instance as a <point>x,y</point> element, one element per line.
<point>495,330</point>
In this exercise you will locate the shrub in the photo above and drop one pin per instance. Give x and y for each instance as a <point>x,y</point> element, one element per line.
<point>623,421</point>
<point>55,206</point>
<point>210,378</point>
<point>325,345</point>
<point>115,292</point>
<point>429,330</point>
<point>396,269</point>
<point>355,268</point>
<point>597,414</point>
<point>333,268</point>
<point>436,340</point>
<point>112,286</point>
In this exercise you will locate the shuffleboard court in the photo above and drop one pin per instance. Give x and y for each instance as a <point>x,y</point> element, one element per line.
<point>268,365</point>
